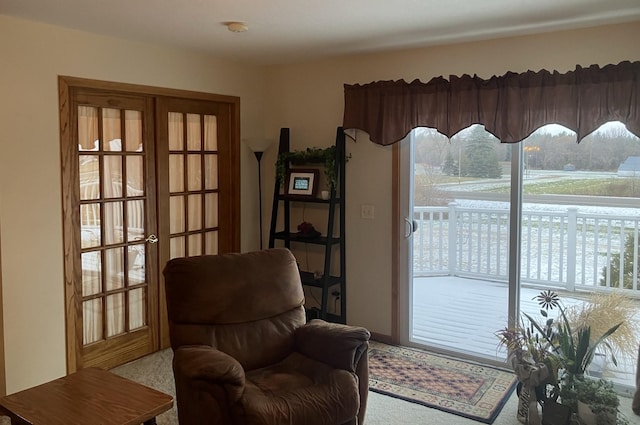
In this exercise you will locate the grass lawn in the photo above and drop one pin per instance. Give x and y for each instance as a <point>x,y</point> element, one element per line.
<point>584,187</point>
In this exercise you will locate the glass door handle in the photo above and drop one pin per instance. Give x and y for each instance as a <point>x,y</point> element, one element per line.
<point>152,239</point>
<point>413,226</point>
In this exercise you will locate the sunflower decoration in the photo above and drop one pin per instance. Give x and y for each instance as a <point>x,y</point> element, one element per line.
<point>548,300</point>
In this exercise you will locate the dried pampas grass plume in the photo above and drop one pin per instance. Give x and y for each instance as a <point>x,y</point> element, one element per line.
<point>602,312</point>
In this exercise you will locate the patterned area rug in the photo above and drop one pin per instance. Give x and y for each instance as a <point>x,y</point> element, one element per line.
<point>466,389</point>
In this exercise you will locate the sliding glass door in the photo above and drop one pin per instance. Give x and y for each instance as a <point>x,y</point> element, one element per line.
<point>457,295</point>
<point>488,226</point>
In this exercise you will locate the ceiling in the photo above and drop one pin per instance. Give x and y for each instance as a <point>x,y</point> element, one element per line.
<point>284,31</point>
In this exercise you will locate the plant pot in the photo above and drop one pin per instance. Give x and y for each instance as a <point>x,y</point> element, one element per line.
<point>554,413</point>
<point>587,417</point>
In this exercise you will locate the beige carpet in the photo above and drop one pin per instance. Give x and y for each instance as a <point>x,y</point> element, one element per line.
<point>155,371</point>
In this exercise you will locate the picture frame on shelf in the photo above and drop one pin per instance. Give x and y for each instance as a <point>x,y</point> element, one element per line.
<point>302,182</point>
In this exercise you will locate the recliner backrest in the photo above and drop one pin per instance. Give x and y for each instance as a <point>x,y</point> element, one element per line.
<point>247,305</point>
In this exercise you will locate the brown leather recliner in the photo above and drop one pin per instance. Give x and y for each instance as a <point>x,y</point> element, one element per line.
<point>243,353</point>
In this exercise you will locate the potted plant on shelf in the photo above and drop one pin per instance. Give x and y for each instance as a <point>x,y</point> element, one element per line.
<point>597,401</point>
<point>326,157</point>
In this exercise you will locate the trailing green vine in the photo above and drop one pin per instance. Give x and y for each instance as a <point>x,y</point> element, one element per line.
<point>326,156</point>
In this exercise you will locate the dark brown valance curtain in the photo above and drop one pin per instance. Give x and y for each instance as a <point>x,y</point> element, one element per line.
<point>511,106</point>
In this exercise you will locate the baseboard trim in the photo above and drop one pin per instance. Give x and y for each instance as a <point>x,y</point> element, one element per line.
<point>385,339</point>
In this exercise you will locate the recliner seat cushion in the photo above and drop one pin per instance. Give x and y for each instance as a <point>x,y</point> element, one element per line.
<point>297,391</point>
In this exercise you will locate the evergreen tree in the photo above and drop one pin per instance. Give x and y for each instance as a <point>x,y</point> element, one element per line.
<point>450,166</point>
<point>481,159</point>
<point>628,262</point>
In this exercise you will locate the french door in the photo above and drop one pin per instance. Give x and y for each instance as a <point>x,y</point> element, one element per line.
<point>198,187</point>
<point>194,148</point>
<point>146,177</point>
<point>117,289</point>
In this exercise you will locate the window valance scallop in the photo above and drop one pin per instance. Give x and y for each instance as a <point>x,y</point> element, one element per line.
<point>510,106</point>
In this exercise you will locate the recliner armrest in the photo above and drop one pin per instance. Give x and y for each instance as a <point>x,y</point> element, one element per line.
<point>197,362</point>
<point>340,346</point>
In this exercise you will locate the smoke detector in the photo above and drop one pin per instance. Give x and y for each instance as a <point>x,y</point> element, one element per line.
<point>237,26</point>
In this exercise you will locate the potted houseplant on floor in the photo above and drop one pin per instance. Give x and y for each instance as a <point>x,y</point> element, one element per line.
<point>531,355</point>
<point>597,401</point>
<point>562,347</point>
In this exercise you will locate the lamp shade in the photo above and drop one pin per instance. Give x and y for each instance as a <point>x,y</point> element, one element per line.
<point>258,144</point>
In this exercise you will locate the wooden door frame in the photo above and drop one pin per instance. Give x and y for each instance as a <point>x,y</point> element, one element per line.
<point>3,377</point>
<point>66,85</point>
<point>396,260</point>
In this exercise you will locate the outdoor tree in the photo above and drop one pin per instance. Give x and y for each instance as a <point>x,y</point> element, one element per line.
<point>450,165</point>
<point>430,146</point>
<point>480,157</point>
<point>602,150</point>
<point>628,261</point>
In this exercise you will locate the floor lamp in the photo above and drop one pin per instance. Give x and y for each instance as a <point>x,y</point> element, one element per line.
<point>258,147</point>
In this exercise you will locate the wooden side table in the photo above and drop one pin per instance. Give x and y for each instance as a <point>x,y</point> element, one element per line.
<point>89,396</point>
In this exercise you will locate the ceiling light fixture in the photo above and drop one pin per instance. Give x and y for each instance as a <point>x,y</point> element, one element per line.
<point>237,26</point>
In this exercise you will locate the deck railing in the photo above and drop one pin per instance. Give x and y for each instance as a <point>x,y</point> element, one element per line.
<point>570,250</point>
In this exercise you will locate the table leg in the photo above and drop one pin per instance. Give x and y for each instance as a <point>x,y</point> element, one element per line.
<point>151,421</point>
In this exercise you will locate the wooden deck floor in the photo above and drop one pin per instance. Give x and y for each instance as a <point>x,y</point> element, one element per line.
<point>462,315</point>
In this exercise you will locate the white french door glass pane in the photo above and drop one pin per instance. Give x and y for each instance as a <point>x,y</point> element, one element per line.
<point>88,137</point>
<point>194,133</point>
<point>176,173</point>
<point>211,210</point>
<point>113,214</point>
<point>194,209</point>
<point>176,213</point>
<point>113,176</point>
<point>90,225</point>
<point>210,133</point>
<point>135,220</point>
<point>195,245</point>
<point>177,247</point>
<point>111,130</point>
<point>92,321</point>
<point>211,172</point>
<point>133,131</point>
<point>137,309</point>
<point>89,168</point>
<point>114,268</point>
<point>91,273</point>
<point>135,264</point>
<point>211,243</point>
<point>115,308</point>
<point>135,175</point>
<point>194,172</point>
<point>176,131</point>
<point>90,219</point>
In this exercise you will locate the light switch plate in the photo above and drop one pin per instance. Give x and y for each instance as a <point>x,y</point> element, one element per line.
<point>367,212</point>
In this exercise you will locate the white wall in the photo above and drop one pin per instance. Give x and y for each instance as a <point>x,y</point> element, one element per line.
<point>33,56</point>
<point>310,101</point>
